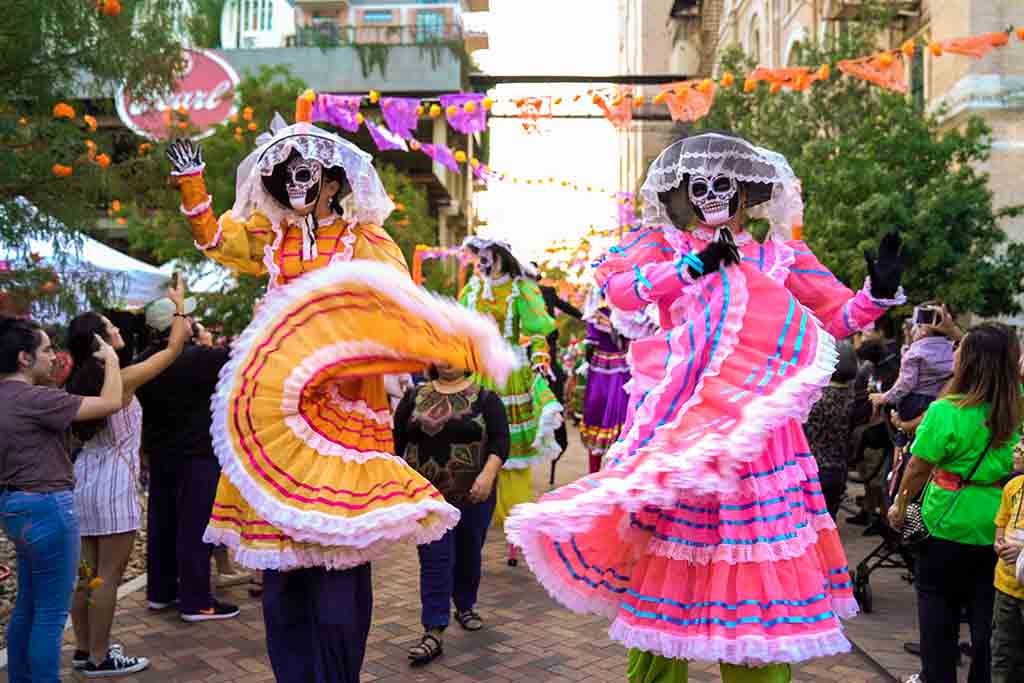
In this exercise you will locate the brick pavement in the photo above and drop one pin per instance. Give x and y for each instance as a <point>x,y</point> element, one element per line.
<point>528,636</point>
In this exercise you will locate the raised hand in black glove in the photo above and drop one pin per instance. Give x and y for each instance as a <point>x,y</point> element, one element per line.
<point>886,270</point>
<point>185,156</point>
<point>719,254</point>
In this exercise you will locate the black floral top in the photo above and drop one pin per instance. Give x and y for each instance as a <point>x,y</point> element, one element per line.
<point>449,437</point>
<point>828,428</point>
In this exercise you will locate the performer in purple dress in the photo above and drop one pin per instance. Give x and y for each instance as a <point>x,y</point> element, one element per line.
<point>606,403</point>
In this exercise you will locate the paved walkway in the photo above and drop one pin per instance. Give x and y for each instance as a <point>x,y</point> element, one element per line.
<point>528,636</point>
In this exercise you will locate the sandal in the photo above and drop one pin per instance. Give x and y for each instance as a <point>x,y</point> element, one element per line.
<point>427,650</point>
<point>469,620</point>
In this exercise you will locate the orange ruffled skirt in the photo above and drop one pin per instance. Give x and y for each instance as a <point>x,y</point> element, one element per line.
<point>302,425</point>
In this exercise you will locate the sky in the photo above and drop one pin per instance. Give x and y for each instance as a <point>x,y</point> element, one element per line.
<point>550,37</point>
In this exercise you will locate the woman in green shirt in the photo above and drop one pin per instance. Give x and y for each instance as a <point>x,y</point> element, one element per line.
<point>978,418</point>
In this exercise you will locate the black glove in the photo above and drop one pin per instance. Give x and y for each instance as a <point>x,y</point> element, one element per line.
<point>716,255</point>
<point>886,271</point>
<point>185,155</point>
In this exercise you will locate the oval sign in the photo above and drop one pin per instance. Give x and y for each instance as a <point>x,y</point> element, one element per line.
<point>206,91</point>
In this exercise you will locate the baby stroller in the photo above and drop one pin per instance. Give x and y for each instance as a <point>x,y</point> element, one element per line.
<point>891,552</point>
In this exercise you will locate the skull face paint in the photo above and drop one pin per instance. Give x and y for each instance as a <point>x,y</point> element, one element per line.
<point>714,199</point>
<point>486,262</point>
<point>303,183</point>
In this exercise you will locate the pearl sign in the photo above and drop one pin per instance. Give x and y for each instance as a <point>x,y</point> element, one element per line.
<point>206,94</point>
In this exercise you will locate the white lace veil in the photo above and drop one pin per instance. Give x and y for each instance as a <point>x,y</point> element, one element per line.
<point>368,202</point>
<point>475,244</point>
<point>772,189</point>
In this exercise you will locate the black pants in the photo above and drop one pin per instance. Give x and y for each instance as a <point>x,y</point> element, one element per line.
<point>317,623</point>
<point>833,486</point>
<point>949,577</point>
<point>181,494</point>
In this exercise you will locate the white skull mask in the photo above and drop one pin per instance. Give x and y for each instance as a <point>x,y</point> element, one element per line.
<point>712,198</point>
<point>303,183</point>
<point>485,261</point>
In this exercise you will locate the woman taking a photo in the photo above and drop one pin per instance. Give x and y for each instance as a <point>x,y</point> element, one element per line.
<point>962,453</point>
<point>37,507</point>
<point>455,433</point>
<point>107,486</point>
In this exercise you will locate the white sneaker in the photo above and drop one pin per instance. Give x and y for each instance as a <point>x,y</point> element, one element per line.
<point>916,678</point>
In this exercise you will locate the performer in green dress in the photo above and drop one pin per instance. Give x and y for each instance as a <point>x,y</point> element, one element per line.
<point>502,290</point>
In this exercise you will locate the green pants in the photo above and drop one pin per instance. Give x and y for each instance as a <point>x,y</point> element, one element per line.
<point>1007,639</point>
<point>645,667</point>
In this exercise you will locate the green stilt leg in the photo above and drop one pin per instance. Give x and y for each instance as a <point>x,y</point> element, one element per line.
<point>645,667</point>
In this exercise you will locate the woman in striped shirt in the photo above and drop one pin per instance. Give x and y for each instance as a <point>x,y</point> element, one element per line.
<point>106,487</point>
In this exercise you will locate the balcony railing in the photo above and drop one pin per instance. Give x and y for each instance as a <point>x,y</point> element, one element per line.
<point>329,34</point>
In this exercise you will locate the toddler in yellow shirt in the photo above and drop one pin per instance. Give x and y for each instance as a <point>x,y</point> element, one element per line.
<point>1008,614</point>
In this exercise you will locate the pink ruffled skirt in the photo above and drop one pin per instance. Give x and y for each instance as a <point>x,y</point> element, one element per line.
<point>707,536</point>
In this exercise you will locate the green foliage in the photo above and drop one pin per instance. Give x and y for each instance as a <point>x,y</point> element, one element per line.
<point>411,223</point>
<point>870,163</point>
<point>204,24</point>
<point>56,50</point>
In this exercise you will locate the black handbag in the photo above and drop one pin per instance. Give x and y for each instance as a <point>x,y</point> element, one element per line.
<point>914,532</point>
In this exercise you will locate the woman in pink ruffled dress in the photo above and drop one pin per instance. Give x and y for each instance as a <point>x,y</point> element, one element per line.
<point>706,536</point>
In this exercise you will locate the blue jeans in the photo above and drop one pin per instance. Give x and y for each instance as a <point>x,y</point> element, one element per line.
<point>44,530</point>
<point>450,566</point>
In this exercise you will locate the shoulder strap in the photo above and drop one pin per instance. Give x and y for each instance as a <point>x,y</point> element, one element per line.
<point>977,463</point>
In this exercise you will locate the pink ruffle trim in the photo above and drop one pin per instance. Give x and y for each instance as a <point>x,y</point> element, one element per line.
<point>750,651</point>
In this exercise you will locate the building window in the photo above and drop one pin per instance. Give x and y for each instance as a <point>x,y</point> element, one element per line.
<point>429,26</point>
<point>253,15</point>
<point>377,16</point>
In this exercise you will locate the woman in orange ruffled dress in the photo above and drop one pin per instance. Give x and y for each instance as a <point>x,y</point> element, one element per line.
<point>311,490</point>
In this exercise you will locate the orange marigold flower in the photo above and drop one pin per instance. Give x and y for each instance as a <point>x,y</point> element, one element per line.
<point>360,119</point>
<point>659,98</point>
<point>234,118</point>
<point>63,110</point>
<point>109,8</point>
<point>638,101</point>
<point>400,207</point>
<point>103,160</point>
<point>95,583</point>
<point>419,111</point>
<point>885,60</point>
<point>435,111</point>
<point>728,79</point>
<point>247,113</point>
<point>908,47</point>
<point>451,110</point>
<point>253,127</point>
<point>488,103</point>
<point>749,85</point>
<point>182,109</point>
<point>705,86</point>
<point>121,220</point>
<point>460,156</point>
<point>374,97</point>
<point>182,125</point>
<point>90,122</point>
<point>824,72</point>
<point>936,49</point>
<point>62,171</point>
<point>238,131</point>
<point>470,107</point>
<point>309,96</point>
<point>144,147</point>
<point>116,206</point>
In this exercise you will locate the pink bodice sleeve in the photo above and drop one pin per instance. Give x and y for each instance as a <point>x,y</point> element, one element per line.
<point>640,270</point>
<point>840,310</point>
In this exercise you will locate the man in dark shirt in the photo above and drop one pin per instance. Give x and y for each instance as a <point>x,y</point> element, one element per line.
<point>551,302</point>
<point>183,475</point>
